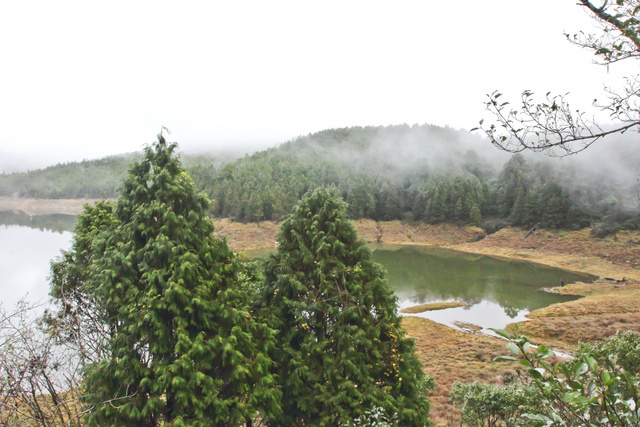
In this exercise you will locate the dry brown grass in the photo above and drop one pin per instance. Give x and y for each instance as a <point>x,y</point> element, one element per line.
<point>602,297</point>
<point>249,236</point>
<point>27,410</point>
<point>565,332</point>
<point>426,234</point>
<point>368,230</point>
<point>263,235</point>
<point>44,206</point>
<point>432,307</point>
<point>607,307</point>
<point>616,256</point>
<point>450,355</point>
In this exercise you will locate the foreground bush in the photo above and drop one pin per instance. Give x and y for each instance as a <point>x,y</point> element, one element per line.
<point>599,387</point>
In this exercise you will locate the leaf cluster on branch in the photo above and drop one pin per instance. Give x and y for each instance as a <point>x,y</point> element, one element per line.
<point>599,387</point>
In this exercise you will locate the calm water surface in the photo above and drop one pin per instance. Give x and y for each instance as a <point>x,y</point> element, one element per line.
<point>25,254</point>
<point>497,291</point>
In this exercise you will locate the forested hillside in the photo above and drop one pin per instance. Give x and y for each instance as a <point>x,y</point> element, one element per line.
<point>99,178</point>
<point>430,174</point>
<point>89,178</point>
<point>417,173</point>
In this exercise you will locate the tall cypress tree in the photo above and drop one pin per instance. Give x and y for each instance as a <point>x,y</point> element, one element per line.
<point>183,347</point>
<point>341,348</point>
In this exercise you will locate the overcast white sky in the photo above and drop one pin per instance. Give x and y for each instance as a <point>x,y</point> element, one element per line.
<point>82,79</point>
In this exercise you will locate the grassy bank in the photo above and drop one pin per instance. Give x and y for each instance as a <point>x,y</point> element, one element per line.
<point>606,306</point>
<point>432,307</point>
<point>263,235</point>
<point>450,355</point>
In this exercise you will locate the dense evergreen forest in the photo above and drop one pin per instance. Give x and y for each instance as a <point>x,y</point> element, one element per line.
<point>91,178</point>
<point>100,178</point>
<point>416,173</point>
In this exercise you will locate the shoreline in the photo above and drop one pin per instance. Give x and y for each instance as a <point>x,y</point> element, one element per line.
<point>579,252</point>
<point>448,354</point>
<point>35,207</point>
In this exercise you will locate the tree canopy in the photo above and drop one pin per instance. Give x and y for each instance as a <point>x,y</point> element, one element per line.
<point>340,345</point>
<point>179,343</point>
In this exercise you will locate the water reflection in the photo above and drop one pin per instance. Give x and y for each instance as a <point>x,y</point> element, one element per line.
<point>56,222</point>
<point>497,291</point>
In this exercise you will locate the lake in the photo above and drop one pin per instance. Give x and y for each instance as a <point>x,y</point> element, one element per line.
<point>27,245</point>
<point>497,291</point>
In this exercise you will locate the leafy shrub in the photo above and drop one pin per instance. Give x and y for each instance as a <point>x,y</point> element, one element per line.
<point>582,391</point>
<point>490,404</point>
<point>374,417</point>
<point>602,230</point>
<point>622,349</point>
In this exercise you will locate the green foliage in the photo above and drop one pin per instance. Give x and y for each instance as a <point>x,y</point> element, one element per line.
<point>340,346</point>
<point>490,404</point>
<point>378,179</point>
<point>89,178</point>
<point>382,182</point>
<point>454,199</point>
<point>99,179</point>
<point>417,173</point>
<point>361,199</point>
<point>623,347</point>
<point>80,318</point>
<point>591,390</point>
<point>511,184</point>
<point>181,346</point>
<point>373,417</point>
<point>532,195</point>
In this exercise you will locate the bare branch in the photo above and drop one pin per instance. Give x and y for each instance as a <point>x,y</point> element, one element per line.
<point>550,124</point>
<point>40,381</point>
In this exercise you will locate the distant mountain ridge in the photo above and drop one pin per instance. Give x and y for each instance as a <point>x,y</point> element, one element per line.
<point>417,173</point>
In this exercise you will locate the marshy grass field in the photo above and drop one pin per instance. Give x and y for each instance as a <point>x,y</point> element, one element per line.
<point>608,305</point>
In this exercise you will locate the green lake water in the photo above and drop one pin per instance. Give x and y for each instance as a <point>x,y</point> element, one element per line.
<point>497,291</point>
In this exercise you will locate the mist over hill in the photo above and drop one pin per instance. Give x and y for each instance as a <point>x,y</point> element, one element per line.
<point>418,173</point>
<point>433,174</point>
<point>99,178</point>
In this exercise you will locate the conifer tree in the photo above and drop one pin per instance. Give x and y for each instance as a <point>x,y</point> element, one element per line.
<point>79,319</point>
<point>553,205</point>
<point>182,348</point>
<point>512,178</point>
<point>340,346</point>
